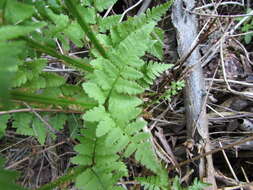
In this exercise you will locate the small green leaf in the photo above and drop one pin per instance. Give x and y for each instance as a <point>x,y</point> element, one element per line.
<point>89,14</point>
<point>104,127</point>
<point>16,12</point>
<point>94,92</point>
<point>39,130</point>
<point>10,32</point>
<point>104,4</point>
<point>58,121</point>
<point>3,124</point>
<point>128,87</point>
<point>75,33</point>
<point>95,114</point>
<point>247,38</point>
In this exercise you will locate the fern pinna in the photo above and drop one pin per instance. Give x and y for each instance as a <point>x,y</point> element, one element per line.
<point>115,78</point>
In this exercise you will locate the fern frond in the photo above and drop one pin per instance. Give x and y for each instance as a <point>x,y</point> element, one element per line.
<point>113,126</point>
<point>152,70</point>
<point>197,185</point>
<point>122,30</point>
<point>157,12</point>
<point>158,182</point>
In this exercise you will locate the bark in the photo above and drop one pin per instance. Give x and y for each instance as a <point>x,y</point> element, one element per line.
<point>197,122</point>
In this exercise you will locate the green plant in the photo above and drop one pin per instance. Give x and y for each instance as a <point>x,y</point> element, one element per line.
<point>114,78</point>
<point>197,185</point>
<point>175,87</point>
<point>247,27</point>
<point>7,178</point>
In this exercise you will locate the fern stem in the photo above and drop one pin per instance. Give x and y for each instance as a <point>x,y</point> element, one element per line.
<point>17,95</point>
<point>72,174</point>
<point>88,31</point>
<point>39,110</point>
<point>50,51</point>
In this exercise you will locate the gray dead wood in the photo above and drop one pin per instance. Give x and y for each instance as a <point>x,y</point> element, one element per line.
<point>194,94</point>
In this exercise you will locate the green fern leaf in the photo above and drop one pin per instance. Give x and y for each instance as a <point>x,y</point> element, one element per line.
<point>153,70</point>
<point>136,43</point>
<point>3,124</point>
<point>27,124</point>
<point>131,73</point>
<point>7,178</point>
<point>94,91</point>
<point>27,71</point>
<point>22,122</point>
<point>39,130</point>
<point>30,125</point>
<point>104,127</point>
<point>128,87</point>
<point>75,33</point>
<point>198,185</point>
<point>10,32</point>
<point>159,182</point>
<point>20,78</point>
<point>38,83</point>
<point>58,121</point>
<point>103,4</point>
<point>89,14</point>
<point>156,13</point>
<point>108,22</point>
<point>145,155</point>
<point>35,66</point>
<point>96,114</point>
<point>141,136</point>
<point>53,80</point>
<point>69,90</point>
<point>107,170</point>
<point>156,48</point>
<point>127,106</point>
<point>136,126</point>
<point>16,12</point>
<point>103,80</point>
<point>61,22</point>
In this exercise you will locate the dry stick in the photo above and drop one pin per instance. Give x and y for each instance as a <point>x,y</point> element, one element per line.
<point>39,110</point>
<point>250,138</point>
<point>202,39</point>
<point>221,3</point>
<point>187,32</point>
<point>229,165</point>
<point>28,157</point>
<point>129,9</point>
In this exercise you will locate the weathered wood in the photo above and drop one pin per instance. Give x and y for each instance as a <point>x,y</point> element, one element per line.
<point>194,94</point>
